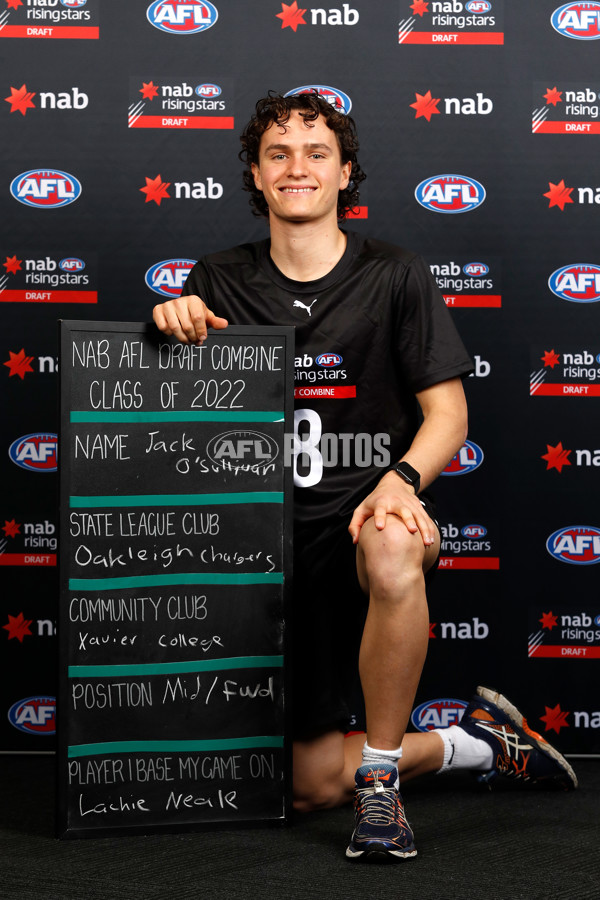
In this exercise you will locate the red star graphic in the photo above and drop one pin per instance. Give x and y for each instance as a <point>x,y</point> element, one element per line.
<point>19,364</point>
<point>550,358</point>
<point>425,105</point>
<point>555,719</point>
<point>11,529</point>
<point>12,265</point>
<point>149,90</point>
<point>20,99</point>
<point>156,190</point>
<point>14,4</point>
<point>553,95</point>
<point>556,457</point>
<point>291,16</point>
<point>420,7</point>
<point>559,195</point>
<point>18,627</point>
<point>432,633</point>
<point>549,620</point>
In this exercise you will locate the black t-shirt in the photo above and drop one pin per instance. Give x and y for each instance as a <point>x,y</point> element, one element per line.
<point>369,334</point>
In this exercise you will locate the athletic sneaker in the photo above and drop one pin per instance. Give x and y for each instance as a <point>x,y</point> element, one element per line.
<point>381,831</point>
<point>518,751</point>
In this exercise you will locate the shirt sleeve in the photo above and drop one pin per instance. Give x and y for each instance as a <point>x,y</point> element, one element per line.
<point>427,346</point>
<point>198,282</point>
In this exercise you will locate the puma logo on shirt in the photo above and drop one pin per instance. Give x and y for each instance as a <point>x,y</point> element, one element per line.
<point>299,303</point>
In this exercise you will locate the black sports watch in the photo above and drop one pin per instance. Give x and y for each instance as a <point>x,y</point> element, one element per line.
<point>408,474</point>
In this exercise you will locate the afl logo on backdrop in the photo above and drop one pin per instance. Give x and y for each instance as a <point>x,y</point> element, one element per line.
<point>438,714</point>
<point>73,4</point>
<point>468,458</point>
<point>34,715</point>
<point>575,544</point>
<point>578,282</point>
<point>45,188</point>
<point>35,452</point>
<point>208,91</point>
<point>478,6</point>
<point>338,99</point>
<point>450,194</point>
<point>168,277</point>
<point>476,269</point>
<point>71,264</point>
<point>474,531</point>
<point>580,21</point>
<point>182,16</point>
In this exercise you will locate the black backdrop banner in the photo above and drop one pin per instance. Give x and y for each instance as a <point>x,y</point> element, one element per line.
<point>479,124</point>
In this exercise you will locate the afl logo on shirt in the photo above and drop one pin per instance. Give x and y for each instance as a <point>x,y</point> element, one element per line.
<point>328,360</point>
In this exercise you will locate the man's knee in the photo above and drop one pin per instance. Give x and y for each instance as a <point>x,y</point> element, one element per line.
<point>319,781</point>
<point>392,556</point>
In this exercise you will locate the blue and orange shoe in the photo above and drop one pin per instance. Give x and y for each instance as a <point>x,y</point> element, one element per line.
<point>519,752</point>
<point>381,832</point>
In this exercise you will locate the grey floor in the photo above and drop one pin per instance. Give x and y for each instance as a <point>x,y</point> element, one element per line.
<point>472,843</point>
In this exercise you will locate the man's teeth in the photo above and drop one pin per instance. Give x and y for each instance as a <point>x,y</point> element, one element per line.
<point>298,190</point>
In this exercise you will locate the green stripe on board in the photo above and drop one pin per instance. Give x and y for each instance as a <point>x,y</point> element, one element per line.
<point>248,743</point>
<point>106,584</point>
<point>117,500</point>
<point>183,416</point>
<point>204,665</point>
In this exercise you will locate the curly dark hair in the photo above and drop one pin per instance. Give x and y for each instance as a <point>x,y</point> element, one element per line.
<point>277,108</point>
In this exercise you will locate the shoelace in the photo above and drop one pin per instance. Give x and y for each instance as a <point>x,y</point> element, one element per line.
<point>378,806</point>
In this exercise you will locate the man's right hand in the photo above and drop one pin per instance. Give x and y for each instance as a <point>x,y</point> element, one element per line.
<point>187,318</point>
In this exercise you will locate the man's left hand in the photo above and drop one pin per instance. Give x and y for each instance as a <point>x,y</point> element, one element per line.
<point>393,496</point>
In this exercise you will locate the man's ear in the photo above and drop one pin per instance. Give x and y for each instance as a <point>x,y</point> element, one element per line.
<point>256,175</point>
<point>345,175</point>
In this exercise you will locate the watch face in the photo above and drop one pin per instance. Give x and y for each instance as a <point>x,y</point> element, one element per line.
<point>410,475</point>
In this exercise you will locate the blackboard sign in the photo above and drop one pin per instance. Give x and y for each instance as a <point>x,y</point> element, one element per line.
<point>176,539</point>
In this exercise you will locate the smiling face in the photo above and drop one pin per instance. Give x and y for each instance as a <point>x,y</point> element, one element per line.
<point>300,170</point>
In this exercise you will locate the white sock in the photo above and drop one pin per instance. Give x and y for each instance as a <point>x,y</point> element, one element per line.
<point>371,756</point>
<point>462,751</point>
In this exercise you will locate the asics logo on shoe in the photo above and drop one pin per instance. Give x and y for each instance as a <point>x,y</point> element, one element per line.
<point>378,775</point>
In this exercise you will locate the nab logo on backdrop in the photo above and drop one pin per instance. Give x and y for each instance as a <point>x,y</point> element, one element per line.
<point>450,194</point>
<point>157,190</point>
<point>182,16</point>
<point>468,458</point>
<point>573,374</point>
<point>451,22</point>
<point>580,21</point>
<point>178,102</point>
<point>21,99</point>
<point>577,635</point>
<point>35,452</point>
<point>168,277</point>
<point>64,19</point>
<point>338,99</point>
<point>469,282</point>
<point>438,714</point>
<point>34,715</point>
<point>578,545</point>
<point>573,111</point>
<point>45,188</point>
<point>426,106</point>
<point>292,16</point>
<point>577,282</point>
<point>48,279</point>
